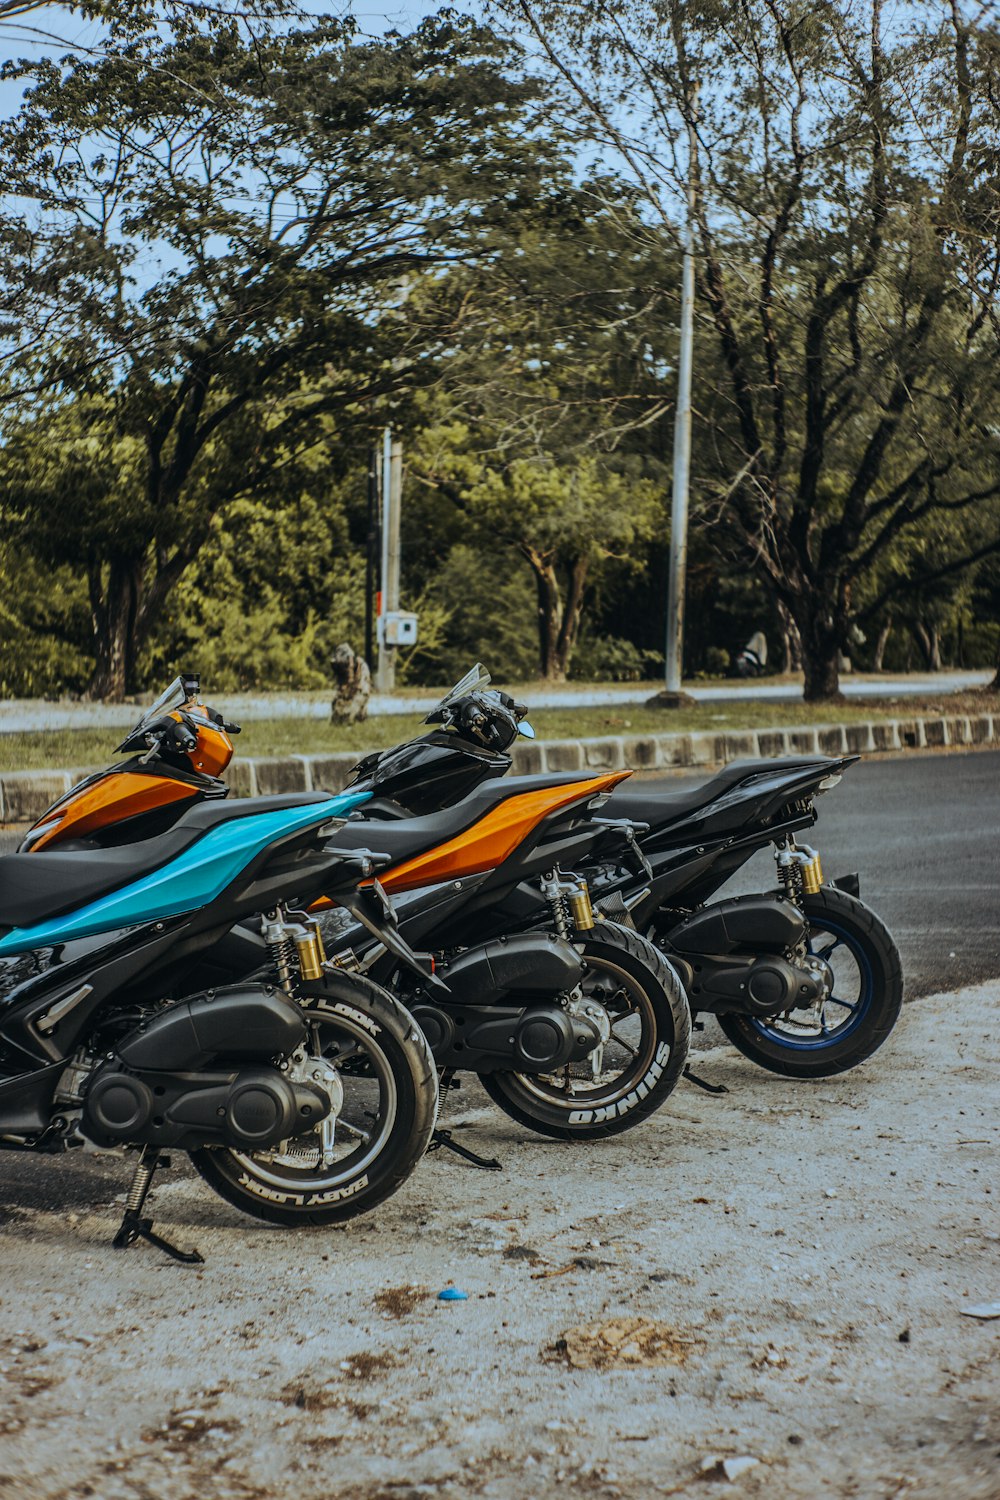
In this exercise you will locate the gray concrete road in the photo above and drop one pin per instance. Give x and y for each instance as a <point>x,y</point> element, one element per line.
<point>800,1257</point>
<point>34,714</point>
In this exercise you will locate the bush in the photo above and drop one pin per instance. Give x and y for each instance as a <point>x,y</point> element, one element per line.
<point>611,658</point>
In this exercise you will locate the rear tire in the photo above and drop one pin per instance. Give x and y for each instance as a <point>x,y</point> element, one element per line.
<point>632,968</point>
<point>389,1079</point>
<point>838,924</point>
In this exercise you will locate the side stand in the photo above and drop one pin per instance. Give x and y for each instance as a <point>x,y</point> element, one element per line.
<point>134,1226</point>
<point>703,1083</point>
<point>443,1140</point>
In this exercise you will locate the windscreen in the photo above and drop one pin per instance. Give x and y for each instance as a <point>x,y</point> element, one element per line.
<point>474,681</point>
<point>171,698</point>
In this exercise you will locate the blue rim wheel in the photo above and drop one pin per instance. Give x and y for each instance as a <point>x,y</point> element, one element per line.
<point>857,1015</point>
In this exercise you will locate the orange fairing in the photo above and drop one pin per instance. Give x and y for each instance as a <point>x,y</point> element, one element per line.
<point>488,843</point>
<point>214,749</point>
<point>112,800</point>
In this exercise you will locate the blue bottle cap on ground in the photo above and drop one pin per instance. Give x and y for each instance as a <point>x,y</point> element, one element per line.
<point>452,1294</point>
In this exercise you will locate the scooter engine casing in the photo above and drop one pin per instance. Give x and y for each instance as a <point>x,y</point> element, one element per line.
<point>249,1108</point>
<point>201,1073</point>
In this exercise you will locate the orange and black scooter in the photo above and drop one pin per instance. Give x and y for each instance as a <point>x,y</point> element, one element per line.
<point>178,751</point>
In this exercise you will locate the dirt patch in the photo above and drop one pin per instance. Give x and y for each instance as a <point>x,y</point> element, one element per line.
<point>829,1234</point>
<point>625,1344</point>
<point>315,1398</point>
<point>364,1365</point>
<point>400,1301</point>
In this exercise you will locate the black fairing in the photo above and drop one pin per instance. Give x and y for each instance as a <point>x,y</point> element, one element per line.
<point>525,963</point>
<point>766,924</point>
<point>429,773</point>
<point>240,1023</point>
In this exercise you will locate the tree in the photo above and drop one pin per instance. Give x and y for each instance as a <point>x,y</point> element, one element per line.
<point>227,227</point>
<point>846,212</point>
<point>532,429</point>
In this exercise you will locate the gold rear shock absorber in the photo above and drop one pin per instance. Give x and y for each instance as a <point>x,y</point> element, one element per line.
<point>580,908</point>
<point>800,870</point>
<point>812,872</point>
<point>309,944</point>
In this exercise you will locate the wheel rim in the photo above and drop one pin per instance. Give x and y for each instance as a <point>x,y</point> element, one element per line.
<point>844,1009</point>
<point>627,1056</point>
<point>364,1123</point>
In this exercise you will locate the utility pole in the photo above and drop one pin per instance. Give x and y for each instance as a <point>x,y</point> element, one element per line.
<point>673,695</point>
<point>392,494</point>
<point>371,556</point>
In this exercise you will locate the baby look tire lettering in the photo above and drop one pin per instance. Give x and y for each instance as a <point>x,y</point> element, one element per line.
<point>388,1114</point>
<point>302,1200</point>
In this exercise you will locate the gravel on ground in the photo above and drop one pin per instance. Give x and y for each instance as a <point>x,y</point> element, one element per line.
<point>762,1293</point>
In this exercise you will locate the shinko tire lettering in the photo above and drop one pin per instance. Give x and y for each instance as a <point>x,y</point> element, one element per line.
<point>635,1096</point>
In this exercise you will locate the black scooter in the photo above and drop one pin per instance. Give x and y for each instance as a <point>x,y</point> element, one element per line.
<point>804,979</point>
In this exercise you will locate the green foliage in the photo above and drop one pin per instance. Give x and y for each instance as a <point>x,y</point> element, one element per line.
<point>43,627</point>
<point>610,658</point>
<point>486,604</point>
<point>226,225</point>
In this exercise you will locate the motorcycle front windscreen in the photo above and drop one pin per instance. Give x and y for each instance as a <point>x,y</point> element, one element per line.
<point>475,680</point>
<point>171,698</point>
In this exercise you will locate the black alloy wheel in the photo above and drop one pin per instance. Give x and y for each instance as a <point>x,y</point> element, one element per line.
<point>365,1045</point>
<point>635,1069</point>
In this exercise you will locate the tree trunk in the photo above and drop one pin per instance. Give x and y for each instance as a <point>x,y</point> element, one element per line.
<point>822,676</point>
<point>549,618</point>
<point>791,641</point>
<point>571,615</point>
<point>822,643</point>
<point>885,630</point>
<point>995,684</point>
<point>927,639</point>
<point>114,608</point>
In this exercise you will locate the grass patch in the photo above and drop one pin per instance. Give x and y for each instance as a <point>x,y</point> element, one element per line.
<point>291,734</point>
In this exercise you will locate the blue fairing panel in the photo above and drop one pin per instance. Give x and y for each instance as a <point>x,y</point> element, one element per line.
<point>188,882</point>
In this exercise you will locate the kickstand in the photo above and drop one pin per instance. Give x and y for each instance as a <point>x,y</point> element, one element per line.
<point>133,1226</point>
<point>444,1140</point>
<point>710,1088</point>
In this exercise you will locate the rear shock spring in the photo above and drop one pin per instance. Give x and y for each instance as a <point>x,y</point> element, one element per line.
<point>284,954</point>
<point>790,873</point>
<point>561,917</point>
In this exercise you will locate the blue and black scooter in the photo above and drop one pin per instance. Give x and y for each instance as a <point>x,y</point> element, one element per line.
<point>304,1094</point>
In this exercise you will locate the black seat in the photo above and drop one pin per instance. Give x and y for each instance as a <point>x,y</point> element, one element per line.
<point>402,837</point>
<point>35,887</point>
<point>653,805</point>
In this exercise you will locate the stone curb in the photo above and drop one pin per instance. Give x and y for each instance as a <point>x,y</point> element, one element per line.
<point>24,795</point>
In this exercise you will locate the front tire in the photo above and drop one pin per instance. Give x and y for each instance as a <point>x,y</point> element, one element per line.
<point>389,1079</point>
<point>861,1010</point>
<point>651,1033</point>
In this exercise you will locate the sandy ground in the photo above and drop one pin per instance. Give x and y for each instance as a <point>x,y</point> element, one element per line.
<point>802,1253</point>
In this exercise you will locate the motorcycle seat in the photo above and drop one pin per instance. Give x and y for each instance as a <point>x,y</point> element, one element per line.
<point>659,808</point>
<point>402,837</point>
<point>35,887</point>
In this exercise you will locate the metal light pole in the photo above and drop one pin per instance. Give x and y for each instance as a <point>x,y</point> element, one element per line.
<point>673,696</point>
<point>392,486</point>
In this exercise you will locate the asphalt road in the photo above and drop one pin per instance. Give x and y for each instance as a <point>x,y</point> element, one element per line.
<point>923,832</point>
